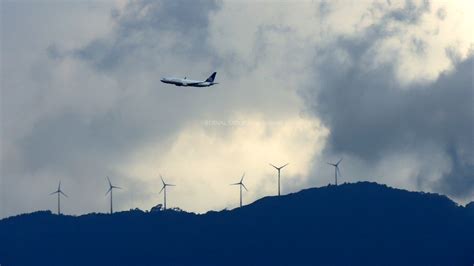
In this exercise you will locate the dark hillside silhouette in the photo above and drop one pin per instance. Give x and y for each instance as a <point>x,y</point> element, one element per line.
<point>470,208</point>
<point>351,224</point>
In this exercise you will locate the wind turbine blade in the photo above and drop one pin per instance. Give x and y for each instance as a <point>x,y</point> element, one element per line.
<point>234,184</point>
<point>171,185</point>
<point>162,189</point>
<point>110,189</point>
<point>162,181</point>
<point>339,161</point>
<point>52,193</point>
<point>116,187</point>
<point>273,166</point>
<point>63,194</point>
<point>59,186</point>
<point>332,164</point>
<point>284,165</point>
<point>242,179</point>
<point>110,183</point>
<point>244,186</point>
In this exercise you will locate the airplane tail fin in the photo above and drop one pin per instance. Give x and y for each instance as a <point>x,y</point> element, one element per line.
<point>212,77</point>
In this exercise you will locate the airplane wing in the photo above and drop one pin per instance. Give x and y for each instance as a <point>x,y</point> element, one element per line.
<point>191,83</point>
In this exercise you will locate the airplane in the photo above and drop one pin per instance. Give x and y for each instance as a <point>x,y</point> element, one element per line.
<point>191,83</point>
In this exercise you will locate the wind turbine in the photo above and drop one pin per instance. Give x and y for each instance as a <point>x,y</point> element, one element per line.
<point>59,191</point>
<point>241,184</point>
<point>278,169</point>
<point>111,188</point>
<point>336,169</point>
<point>164,188</point>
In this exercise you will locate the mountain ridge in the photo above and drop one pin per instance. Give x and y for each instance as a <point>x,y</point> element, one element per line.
<point>353,223</point>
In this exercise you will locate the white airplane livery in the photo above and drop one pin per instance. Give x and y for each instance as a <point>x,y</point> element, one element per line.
<point>191,83</point>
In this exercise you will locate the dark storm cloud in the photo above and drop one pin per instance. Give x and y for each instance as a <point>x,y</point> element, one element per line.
<point>461,178</point>
<point>371,115</point>
<point>67,140</point>
<point>147,24</point>
<point>182,16</point>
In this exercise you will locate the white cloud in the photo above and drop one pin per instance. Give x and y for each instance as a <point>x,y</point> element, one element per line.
<point>203,161</point>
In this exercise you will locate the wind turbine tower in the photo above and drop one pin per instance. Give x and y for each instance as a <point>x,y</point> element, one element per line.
<point>336,169</point>
<point>278,169</point>
<point>241,184</point>
<point>164,188</point>
<point>111,190</point>
<point>59,192</point>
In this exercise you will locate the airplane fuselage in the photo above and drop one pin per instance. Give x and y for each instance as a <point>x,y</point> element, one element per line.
<point>191,83</point>
<point>187,82</point>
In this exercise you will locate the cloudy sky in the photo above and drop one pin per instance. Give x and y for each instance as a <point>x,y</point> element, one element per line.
<point>387,85</point>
